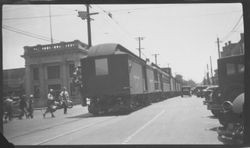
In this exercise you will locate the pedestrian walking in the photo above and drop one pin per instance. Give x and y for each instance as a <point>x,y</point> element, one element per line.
<point>30,106</point>
<point>23,107</point>
<point>8,109</point>
<point>50,104</point>
<point>64,95</point>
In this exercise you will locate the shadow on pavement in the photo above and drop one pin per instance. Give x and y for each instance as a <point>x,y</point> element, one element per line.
<point>214,129</point>
<point>212,117</point>
<point>89,115</point>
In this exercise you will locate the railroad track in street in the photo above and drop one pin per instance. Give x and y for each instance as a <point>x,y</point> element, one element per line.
<point>73,131</point>
<point>70,126</point>
<point>42,129</point>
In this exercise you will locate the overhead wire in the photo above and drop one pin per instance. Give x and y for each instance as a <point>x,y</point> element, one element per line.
<point>36,17</point>
<point>33,35</point>
<point>105,13</point>
<point>232,30</point>
<point>112,19</point>
<point>121,28</point>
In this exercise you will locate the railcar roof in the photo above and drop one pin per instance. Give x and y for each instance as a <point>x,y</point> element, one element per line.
<point>107,49</point>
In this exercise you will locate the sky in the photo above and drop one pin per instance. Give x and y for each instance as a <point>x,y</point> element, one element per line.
<point>184,35</point>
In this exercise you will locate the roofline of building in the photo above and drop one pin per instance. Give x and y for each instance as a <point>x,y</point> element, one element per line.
<point>14,69</point>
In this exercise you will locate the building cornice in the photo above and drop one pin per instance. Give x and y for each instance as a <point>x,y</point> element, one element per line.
<point>55,49</point>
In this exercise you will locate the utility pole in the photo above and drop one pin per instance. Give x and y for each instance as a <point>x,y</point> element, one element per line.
<point>218,44</point>
<point>88,26</point>
<point>211,70</point>
<point>51,36</point>
<point>208,79</point>
<point>205,75</point>
<point>86,15</point>
<point>139,39</point>
<point>156,58</point>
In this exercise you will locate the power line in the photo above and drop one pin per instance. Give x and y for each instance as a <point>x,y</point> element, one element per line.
<point>44,38</point>
<point>111,18</point>
<point>109,15</point>
<point>36,17</point>
<point>229,34</point>
<point>108,18</point>
<point>26,34</point>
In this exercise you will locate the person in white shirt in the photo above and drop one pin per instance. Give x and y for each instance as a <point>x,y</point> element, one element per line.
<point>64,95</point>
<point>50,103</point>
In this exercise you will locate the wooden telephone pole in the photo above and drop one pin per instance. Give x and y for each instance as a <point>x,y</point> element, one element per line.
<point>86,15</point>
<point>156,58</point>
<point>139,39</point>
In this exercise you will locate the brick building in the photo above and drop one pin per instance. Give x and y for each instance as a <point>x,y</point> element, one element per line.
<point>13,82</point>
<point>233,48</point>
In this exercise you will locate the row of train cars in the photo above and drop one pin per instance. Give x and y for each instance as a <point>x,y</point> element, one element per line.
<point>116,80</point>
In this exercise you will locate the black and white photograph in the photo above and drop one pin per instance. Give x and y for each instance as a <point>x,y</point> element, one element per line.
<point>123,74</point>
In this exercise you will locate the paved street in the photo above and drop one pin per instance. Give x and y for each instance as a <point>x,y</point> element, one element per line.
<point>173,121</point>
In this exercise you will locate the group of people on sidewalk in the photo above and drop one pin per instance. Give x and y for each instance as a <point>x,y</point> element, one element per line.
<point>25,105</point>
<point>52,103</point>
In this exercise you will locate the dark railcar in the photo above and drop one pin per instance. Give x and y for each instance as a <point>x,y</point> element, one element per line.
<point>114,79</point>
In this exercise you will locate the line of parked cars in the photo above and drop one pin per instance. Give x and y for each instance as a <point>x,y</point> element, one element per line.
<point>226,100</point>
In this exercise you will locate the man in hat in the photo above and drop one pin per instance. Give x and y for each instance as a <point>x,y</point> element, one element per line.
<point>50,103</point>
<point>7,108</point>
<point>30,106</point>
<point>64,97</point>
<point>23,107</point>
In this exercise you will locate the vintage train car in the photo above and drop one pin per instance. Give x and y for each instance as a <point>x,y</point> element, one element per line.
<point>115,79</point>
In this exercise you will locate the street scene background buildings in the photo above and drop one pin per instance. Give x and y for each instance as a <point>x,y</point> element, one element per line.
<point>176,46</point>
<point>51,65</point>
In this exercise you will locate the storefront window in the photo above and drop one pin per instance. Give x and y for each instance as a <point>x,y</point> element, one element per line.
<point>53,72</point>
<point>35,73</point>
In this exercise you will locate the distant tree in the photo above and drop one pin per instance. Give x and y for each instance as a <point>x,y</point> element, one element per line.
<point>191,83</point>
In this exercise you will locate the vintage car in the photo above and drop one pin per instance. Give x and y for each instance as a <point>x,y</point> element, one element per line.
<point>186,90</point>
<point>231,82</point>
<point>208,93</point>
<point>198,91</point>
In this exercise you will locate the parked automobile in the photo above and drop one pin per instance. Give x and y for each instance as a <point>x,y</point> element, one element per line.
<point>198,91</point>
<point>208,93</point>
<point>230,82</point>
<point>232,121</point>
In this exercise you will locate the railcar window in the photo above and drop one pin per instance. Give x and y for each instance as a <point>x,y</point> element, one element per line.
<point>241,68</point>
<point>101,66</point>
<point>230,69</point>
